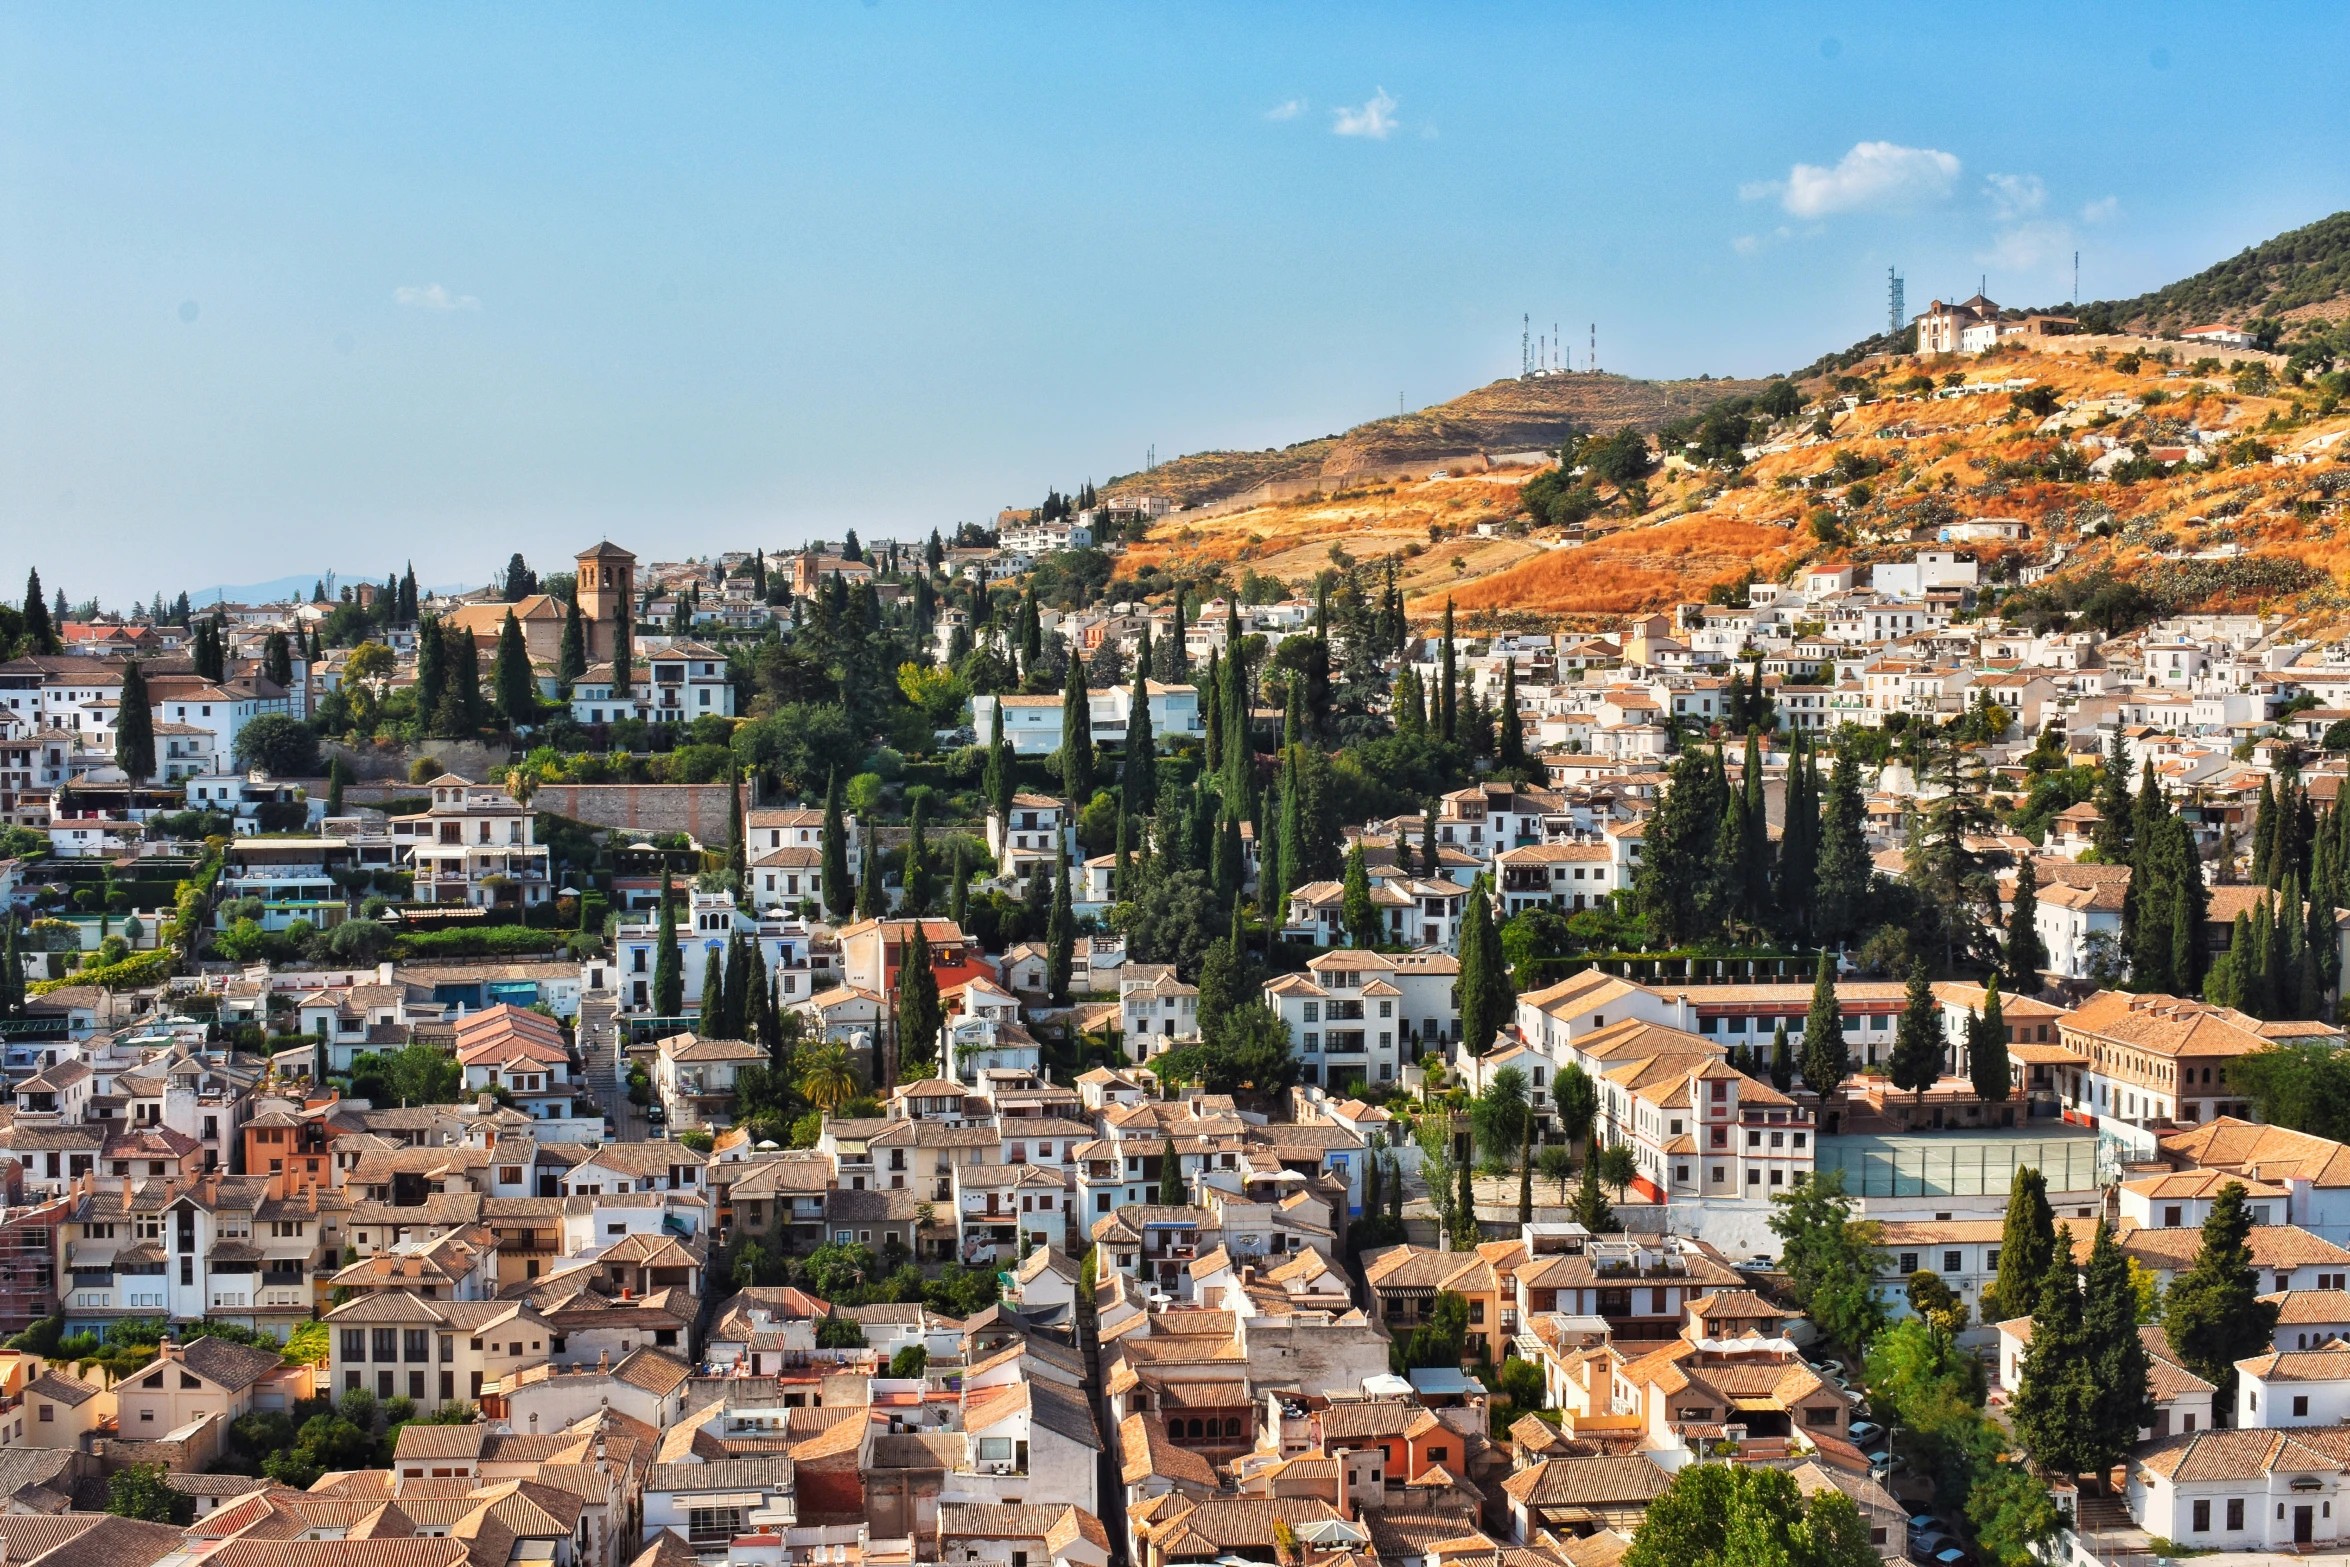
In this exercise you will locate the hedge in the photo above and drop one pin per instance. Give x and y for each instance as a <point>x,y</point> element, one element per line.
<point>494,941</point>
<point>146,969</point>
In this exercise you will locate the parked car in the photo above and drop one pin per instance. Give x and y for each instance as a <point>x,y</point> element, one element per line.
<point>1863,1432</point>
<point>655,1115</point>
<point>1953,1557</point>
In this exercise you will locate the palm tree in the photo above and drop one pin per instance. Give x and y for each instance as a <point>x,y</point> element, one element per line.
<point>826,1077</point>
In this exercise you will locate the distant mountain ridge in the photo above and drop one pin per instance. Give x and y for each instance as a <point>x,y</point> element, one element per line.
<point>2299,275</point>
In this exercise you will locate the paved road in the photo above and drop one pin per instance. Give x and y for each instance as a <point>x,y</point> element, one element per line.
<point>607,1068</point>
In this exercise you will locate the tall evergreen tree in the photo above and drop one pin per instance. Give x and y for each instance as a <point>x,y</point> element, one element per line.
<point>2264,836</point>
<point>741,1006</point>
<point>623,646</point>
<point>1677,876</point>
<point>571,657</point>
<point>277,659</point>
<point>1211,706</point>
<point>1140,781</point>
<point>1987,1067</point>
<point>1845,864</point>
<point>2122,1401</point>
<point>1060,928</point>
<point>1513,730</point>
<point>2112,835</point>
<point>134,726</point>
<point>713,1020</point>
<point>2052,1410</point>
<point>517,687</point>
<point>1799,844</point>
<point>840,895</point>
<point>2213,1313</point>
<point>1449,677</point>
<point>462,709</point>
<point>2026,953</point>
<point>872,896</point>
<point>431,671</point>
<point>2027,1240</point>
<point>920,881</point>
<point>668,961</point>
<point>11,969</point>
<point>40,633</point>
<point>1917,1041</point>
<point>1002,778</point>
<point>1733,896</point>
<point>1362,917</point>
<point>918,1012</point>
<point>1077,738</point>
<point>1826,1059</point>
<point>1484,979</point>
<point>1782,1060</point>
<point>959,885</point>
<point>1431,862</point>
<point>1172,1193</point>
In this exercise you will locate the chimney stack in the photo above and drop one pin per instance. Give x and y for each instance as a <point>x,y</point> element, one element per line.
<point>1345,1499</point>
<point>603,1363</point>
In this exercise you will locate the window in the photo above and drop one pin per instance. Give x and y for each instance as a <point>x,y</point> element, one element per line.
<point>1952,1262</point>
<point>2235,1512</point>
<point>2300,1403</point>
<point>1909,1263</point>
<point>1819,1417</point>
<point>2202,1515</point>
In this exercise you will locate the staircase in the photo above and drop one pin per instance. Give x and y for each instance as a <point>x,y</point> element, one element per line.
<point>599,1053</point>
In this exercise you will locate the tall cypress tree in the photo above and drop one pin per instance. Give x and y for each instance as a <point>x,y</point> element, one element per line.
<point>1449,677</point>
<point>462,710</point>
<point>920,880</point>
<point>741,1008</point>
<point>959,888</point>
<point>840,894</point>
<point>1825,1057</point>
<point>872,897</point>
<point>2213,1312</point>
<point>1140,781</point>
<point>668,961</point>
<point>623,647</point>
<point>1486,996</point>
<point>1171,1189</point>
<point>11,969</point>
<point>712,1024</point>
<point>1077,737</point>
<point>431,672</point>
<point>1211,706</point>
<point>1845,865</point>
<point>134,727</point>
<point>1987,1068</point>
<point>2112,836</point>
<point>1513,730</point>
<point>2027,1239</point>
<point>1782,1060</point>
<point>1060,927</point>
<point>571,657</point>
<point>2026,953</point>
<point>40,634</point>
<point>918,1012</point>
<point>1756,868</point>
<point>1917,1042</point>
<point>2052,1408</point>
<point>517,687</point>
<point>2122,1401</point>
<point>2264,836</point>
<point>1799,843</point>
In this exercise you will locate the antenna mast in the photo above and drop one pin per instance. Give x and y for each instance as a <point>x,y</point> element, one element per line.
<point>1525,359</point>
<point>1895,306</point>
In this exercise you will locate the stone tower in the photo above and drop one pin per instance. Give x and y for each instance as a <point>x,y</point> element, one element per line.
<point>607,590</point>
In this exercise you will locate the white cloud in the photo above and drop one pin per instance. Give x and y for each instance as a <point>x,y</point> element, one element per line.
<point>2103,210</point>
<point>1746,244</point>
<point>1875,176</point>
<point>1750,244</point>
<point>2032,247</point>
<point>1375,119</point>
<point>2015,196</point>
<point>1289,110</point>
<point>434,297</point>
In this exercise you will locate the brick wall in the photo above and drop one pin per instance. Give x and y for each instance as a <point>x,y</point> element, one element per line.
<point>699,809</point>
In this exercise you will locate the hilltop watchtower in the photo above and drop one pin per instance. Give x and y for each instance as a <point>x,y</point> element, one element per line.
<point>607,590</point>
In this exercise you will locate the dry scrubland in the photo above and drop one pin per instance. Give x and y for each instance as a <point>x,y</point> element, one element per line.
<point>1943,460</point>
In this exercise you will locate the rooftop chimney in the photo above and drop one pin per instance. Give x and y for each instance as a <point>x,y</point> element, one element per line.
<point>603,1363</point>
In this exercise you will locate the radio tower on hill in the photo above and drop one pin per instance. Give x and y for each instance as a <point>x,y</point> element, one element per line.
<point>1894,307</point>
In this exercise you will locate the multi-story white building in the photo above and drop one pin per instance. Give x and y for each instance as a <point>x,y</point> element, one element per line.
<point>1032,724</point>
<point>474,844</point>
<point>675,684</point>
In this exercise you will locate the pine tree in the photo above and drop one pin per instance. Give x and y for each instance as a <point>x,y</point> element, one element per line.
<point>668,961</point>
<point>1987,1068</point>
<point>517,687</point>
<point>1077,738</point>
<point>1141,778</point>
<point>1845,864</point>
<point>1782,1061</point>
<point>2027,1240</point>
<point>1917,1041</point>
<point>134,727</point>
<point>839,893</point>
<point>2052,1408</point>
<point>571,657</point>
<point>1590,1207</point>
<point>1825,1057</point>
<point>2026,953</point>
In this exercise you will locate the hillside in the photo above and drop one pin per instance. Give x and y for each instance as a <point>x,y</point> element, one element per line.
<point>2302,275</point>
<point>1506,416</point>
<point>2241,531</point>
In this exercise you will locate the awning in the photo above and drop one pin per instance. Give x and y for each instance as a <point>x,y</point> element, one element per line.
<point>725,1498</point>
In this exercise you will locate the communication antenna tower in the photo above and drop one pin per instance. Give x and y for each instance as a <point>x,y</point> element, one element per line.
<point>2076,299</point>
<point>1555,341</point>
<point>1895,307</point>
<point>1594,363</point>
<point>1525,359</point>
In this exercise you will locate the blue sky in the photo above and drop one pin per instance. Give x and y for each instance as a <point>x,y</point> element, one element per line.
<point>297,287</point>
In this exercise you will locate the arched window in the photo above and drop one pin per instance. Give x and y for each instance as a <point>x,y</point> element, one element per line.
<point>1232,1426</point>
<point>1194,1431</point>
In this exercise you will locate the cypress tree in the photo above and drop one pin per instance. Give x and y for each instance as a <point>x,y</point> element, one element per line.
<point>1077,737</point>
<point>2264,836</point>
<point>2213,1312</point>
<point>1845,864</point>
<point>1825,1058</point>
<point>571,657</point>
<point>921,882</point>
<point>1480,953</point>
<point>1513,732</point>
<point>134,727</point>
<point>1141,778</point>
<point>1362,917</point>
<point>1171,1191</point>
<point>2287,949</point>
<point>1917,1041</point>
<point>1293,723</point>
<point>872,897</point>
<point>431,672</point>
<point>2052,1408</point>
<point>2223,985</point>
<point>1211,706</point>
<point>517,687</point>
<point>1449,677</point>
<point>1295,862</point>
<point>840,895</point>
<point>2253,965</point>
<point>2026,953</point>
<point>1003,771</point>
<point>334,786</point>
<point>1469,1234</point>
<point>1230,868</point>
<point>11,970</point>
<point>2121,1399</point>
<point>461,709</point>
<point>1060,928</point>
<point>40,634</point>
<point>623,647</point>
<point>1987,1067</point>
<point>668,961</point>
<point>1526,1172</point>
<point>1799,842</point>
<point>1756,869</point>
<point>918,1011</point>
<point>741,1009</point>
<point>712,1024</point>
<point>2112,836</point>
<point>959,889</point>
<point>1782,1060</point>
<point>1431,863</point>
<point>2027,1239</point>
<point>1122,871</point>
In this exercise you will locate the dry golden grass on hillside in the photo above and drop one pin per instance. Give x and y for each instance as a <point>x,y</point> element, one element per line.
<point>1941,460</point>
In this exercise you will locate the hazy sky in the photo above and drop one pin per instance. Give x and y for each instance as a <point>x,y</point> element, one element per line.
<point>315,286</point>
